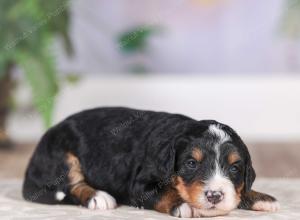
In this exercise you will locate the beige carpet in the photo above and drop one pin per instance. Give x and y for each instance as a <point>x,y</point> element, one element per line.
<point>13,207</point>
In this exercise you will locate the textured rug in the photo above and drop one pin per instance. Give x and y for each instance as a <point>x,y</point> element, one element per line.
<point>13,207</point>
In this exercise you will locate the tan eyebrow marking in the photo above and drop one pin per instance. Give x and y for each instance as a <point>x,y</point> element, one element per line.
<point>233,157</point>
<point>197,154</point>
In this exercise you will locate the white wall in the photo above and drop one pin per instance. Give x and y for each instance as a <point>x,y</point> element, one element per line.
<point>260,109</point>
<point>226,36</point>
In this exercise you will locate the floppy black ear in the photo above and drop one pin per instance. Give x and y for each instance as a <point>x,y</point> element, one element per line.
<point>249,174</point>
<point>165,159</point>
<point>249,171</point>
<point>159,163</point>
<point>154,170</point>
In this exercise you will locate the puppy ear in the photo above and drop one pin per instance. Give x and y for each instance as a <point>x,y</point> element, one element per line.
<point>166,159</point>
<point>249,171</point>
<point>249,175</point>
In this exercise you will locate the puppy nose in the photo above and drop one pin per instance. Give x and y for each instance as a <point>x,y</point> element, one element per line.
<point>214,197</point>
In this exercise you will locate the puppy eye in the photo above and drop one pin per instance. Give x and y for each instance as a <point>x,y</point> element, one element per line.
<point>234,169</point>
<point>191,164</point>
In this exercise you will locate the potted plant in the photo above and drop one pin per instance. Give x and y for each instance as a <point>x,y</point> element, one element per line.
<point>28,30</point>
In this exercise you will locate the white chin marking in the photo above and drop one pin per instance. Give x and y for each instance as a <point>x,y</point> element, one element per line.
<point>103,201</point>
<point>59,196</point>
<point>266,206</point>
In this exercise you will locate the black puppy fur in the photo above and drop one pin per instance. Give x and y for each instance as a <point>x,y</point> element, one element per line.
<point>138,157</point>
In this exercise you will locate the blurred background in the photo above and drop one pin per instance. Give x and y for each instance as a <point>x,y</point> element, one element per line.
<point>236,61</point>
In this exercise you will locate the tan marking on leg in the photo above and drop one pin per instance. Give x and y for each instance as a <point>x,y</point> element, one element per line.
<point>257,196</point>
<point>181,188</point>
<point>190,193</point>
<point>168,201</point>
<point>197,154</point>
<point>78,187</point>
<point>257,201</point>
<point>233,157</point>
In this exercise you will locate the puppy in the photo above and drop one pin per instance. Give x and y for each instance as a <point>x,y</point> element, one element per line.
<point>167,162</point>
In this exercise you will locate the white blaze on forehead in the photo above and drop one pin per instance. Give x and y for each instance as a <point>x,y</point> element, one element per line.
<point>222,136</point>
<point>218,181</point>
<point>217,131</point>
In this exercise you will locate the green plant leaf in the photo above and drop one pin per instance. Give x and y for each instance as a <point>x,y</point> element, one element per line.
<point>290,24</point>
<point>27,29</point>
<point>41,77</point>
<point>135,39</point>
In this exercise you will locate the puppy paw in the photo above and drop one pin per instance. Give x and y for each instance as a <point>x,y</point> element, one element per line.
<point>183,211</point>
<point>269,206</point>
<point>103,201</point>
<point>186,211</point>
<point>258,201</point>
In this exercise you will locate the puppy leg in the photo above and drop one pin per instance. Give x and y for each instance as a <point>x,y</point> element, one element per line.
<point>171,203</point>
<point>82,192</point>
<point>258,202</point>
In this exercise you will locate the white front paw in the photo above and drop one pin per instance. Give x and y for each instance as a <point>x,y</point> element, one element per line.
<point>183,211</point>
<point>197,213</point>
<point>186,211</point>
<point>103,201</point>
<point>270,206</point>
